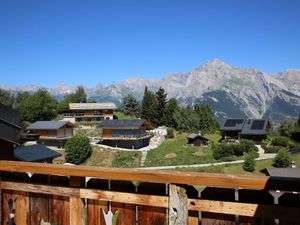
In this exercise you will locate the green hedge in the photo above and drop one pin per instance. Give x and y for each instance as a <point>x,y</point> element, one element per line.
<point>77,149</point>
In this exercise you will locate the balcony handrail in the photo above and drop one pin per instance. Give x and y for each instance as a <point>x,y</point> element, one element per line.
<point>154,176</point>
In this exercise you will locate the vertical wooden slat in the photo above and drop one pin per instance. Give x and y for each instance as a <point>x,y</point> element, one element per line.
<point>126,212</point>
<point>77,215</point>
<point>22,214</point>
<point>39,208</point>
<point>59,206</point>
<point>151,215</point>
<point>178,210</point>
<point>95,207</point>
<point>6,196</point>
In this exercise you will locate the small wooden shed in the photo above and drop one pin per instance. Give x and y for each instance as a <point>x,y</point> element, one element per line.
<point>197,140</point>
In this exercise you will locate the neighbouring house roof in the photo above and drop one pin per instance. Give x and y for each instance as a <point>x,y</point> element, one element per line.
<point>282,172</point>
<point>35,153</point>
<point>121,124</point>
<point>92,106</point>
<point>193,136</point>
<point>9,124</point>
<point>255,127</point>
<point>233,124</point>
<point>49,125</point>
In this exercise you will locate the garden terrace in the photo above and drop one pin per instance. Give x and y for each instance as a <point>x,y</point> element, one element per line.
<point>77,195</point>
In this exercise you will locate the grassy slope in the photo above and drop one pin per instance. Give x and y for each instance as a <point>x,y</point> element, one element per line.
<point>174,152</point>
<point>237,168</point>
<point>112,158</point>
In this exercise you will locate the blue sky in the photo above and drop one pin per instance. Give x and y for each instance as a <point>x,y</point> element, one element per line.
<point>85,42</point>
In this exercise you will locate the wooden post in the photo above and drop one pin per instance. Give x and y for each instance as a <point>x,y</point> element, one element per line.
<point>77,215</point>
<point>178,206</point>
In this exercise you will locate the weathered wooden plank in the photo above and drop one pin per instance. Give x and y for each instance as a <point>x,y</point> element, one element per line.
<point>76,211</point>
<point>192,178</point>
<point>126,212</point>
<point>39,208</point>
<point>148,215</point>
<point>5,211</point>
<point>243,209</point>
<point>22,213</point>
<point>178,207</point>
<point>95,207</point>
<point>41,189</point>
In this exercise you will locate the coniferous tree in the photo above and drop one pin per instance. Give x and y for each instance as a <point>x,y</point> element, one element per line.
<point>206,120</point>
<point>149,106</point>
<point>161,98</point>
<point>298,121</point>
<point>130,105</point>
<point>171,107</point>
<point>78,97</point>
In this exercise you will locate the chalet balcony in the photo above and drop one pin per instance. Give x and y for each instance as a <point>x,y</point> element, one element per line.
<point>78,195</point>
<point>83,115</point>
<point>126,137</point>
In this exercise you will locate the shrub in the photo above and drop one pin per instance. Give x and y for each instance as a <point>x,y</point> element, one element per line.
<point>282,159</point>
<point>77,149</point>
<point>249,163</point>
<point>272,149</point>
<point>222,151</point>
<point>170,132</point>
<point>280,141</point>
<point>253,153</point>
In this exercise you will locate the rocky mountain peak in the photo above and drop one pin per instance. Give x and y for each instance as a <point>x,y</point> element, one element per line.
<point>215,64</point>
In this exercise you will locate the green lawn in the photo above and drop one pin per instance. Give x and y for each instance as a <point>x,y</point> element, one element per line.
<point>237,169</point>
<point>122,116</point>
<point>175,152</point>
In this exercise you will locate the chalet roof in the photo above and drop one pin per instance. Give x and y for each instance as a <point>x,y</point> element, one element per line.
<point>282,172</point>
<point>233,124</point>
<point>92,106</point>
<point>255,127</point>
<point>49,125</point>
<point>121,124</point>
<point>193,136</point>
<point>35,153</point>
<point>9,124</point>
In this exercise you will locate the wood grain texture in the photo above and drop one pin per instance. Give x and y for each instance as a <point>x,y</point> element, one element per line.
<point>192,178</point>
<point>39,208</point>
<point>178,206</point>
<point>22,211</point>
<point>6,196</point>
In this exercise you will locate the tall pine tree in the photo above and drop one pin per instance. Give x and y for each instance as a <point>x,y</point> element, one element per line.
<point>149,106</point>
<point>130,106</point>
<point>171,107</point>
<point>161,98</point>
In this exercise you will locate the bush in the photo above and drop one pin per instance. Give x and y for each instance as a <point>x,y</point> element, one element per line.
<point>222,151</point>
<point>272,149</point>
<point>249,163</point>
<point>77,149</point>
<point>280,141</point>
<point>282,159</point>
<point>170,132</point>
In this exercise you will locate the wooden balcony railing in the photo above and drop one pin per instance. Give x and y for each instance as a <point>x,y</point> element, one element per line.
<point>78,195</point>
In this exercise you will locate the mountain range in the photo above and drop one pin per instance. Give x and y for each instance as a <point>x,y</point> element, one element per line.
<point>230,91</point>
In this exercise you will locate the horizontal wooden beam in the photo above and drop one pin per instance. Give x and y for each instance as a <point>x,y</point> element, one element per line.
<point>244,209</point>
<point>154,176</point>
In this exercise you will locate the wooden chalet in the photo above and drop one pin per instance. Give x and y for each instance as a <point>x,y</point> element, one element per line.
<point>90,112</point>
<point>252,129</point>
<point>10,130</point>
<point>197,140</point>
<point>129,134</point>
<point>52,133</point>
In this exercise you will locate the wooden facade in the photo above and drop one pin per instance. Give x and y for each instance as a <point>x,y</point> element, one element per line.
<point>90,112</point>
<point>67,195</point>
<point>197,140</point>
<point>129,134</point>
<point>52,135</point>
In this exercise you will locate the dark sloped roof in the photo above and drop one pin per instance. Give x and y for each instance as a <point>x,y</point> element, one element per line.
<point>9,124</point>
<point>35,153</point>
<point>121,124</point>
<point>193,136</point>
<point>49,125</point>
<point>283,172</point>
<point>233,124</point>
<point>255,127</point>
